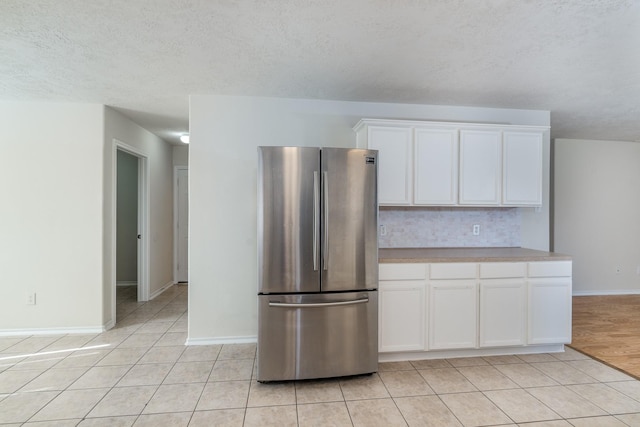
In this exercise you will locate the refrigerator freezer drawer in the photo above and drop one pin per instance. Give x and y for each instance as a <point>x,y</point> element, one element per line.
<point>317,335</point>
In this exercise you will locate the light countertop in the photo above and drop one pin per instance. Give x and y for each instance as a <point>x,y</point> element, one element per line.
<point>431,255</point>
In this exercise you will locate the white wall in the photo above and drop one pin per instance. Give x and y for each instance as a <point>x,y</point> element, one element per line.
<point>180,155</point>
<point>225,133</point>
<point>160,157</point>
<point>56,180</point>
<point>535,226</point>
<point>597,213</point>
<point>51,158</point>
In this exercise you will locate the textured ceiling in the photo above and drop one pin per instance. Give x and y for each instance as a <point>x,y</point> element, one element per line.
<point>580,59</point>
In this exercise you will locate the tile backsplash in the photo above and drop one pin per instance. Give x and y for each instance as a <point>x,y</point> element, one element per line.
<point>449,227</point>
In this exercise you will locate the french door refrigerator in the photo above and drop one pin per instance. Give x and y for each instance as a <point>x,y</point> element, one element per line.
<point>318,263</point>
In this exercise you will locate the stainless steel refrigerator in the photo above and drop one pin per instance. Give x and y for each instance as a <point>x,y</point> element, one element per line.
<point>318,263</point>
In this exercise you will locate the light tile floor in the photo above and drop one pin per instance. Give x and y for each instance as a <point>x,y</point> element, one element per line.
<point>141,374</point>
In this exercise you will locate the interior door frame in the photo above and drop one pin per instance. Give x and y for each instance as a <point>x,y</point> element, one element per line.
<point>143,221</point>
<point>175,219</point>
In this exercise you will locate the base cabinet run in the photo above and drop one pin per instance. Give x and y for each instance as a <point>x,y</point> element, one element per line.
<point>474,306</point>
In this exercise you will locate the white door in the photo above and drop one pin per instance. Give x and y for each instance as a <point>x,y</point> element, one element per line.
<point>550,310</point>
<point>436,167</point>
<point>480,167</point>
<point>502,312</point>
<point>394,164</point>
<point>401,315</point>
<point>453,318</point>
<point>522,169</point>
<point>182,225</point>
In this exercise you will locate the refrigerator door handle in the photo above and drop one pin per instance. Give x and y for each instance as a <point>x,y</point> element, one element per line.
<point>318,305</point>
<point>325,190</point>
<point>316,219</point>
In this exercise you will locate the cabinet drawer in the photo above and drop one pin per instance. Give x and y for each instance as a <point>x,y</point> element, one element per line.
<point>550,269</point>
<point>402,271</point>
<point>499,270</point>
<point>458,270</point>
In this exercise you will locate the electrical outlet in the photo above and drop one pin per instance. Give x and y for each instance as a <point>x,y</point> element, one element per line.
<point>31,298</point>
<point>476,229</point>
<point>383,230</point>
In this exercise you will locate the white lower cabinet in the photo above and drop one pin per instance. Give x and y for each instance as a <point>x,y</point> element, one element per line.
<point>474,306</point>
<point>550,302</point>
<point>550,310</point>
<point>401,307</point>
<point>502,312</point>
<point>401,316</point>
<point>453,319</point>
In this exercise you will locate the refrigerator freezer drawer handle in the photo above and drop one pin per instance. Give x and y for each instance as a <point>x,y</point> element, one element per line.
<point>319,305</point>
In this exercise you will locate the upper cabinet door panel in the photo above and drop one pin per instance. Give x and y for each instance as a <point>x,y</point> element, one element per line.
<point>522,180</point>
<point>394,163</point>
<point>436,167</point>
<point>480,167</point>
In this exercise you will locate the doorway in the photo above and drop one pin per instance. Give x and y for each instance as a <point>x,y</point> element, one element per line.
<point>130,225</point>
<point>126,220</point>
<point>181,232</point>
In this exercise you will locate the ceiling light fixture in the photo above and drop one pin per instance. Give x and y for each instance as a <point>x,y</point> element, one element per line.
<point>184,138</point>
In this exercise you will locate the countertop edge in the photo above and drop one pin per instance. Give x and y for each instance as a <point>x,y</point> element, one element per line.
<point>439,255</point>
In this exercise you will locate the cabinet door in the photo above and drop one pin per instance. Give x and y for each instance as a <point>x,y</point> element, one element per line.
<point>502,312</point>
<point>550,311</point>
<point>401,315</point>
<point>394,164</point>
<point>480,167</point>
<point>522,166</point>
<point>453,314</point>
<point>436,167</point>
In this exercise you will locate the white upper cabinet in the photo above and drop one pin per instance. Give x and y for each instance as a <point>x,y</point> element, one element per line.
<point>522,169</point>
<point>455,164</point>
<point>394,145</point>
<point>480,167</point>
<point>436,167</point>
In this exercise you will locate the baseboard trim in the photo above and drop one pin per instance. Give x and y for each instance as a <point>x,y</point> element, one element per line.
<point>607,292</point>
<point>222,340</point>
<point>89,330</point>
<point>451,354</point>
<point>127,283</point>
<point>161,290</point>
<point>110,324</point>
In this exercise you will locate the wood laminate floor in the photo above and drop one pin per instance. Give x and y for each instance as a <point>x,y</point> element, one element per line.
<point>607,328</point>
